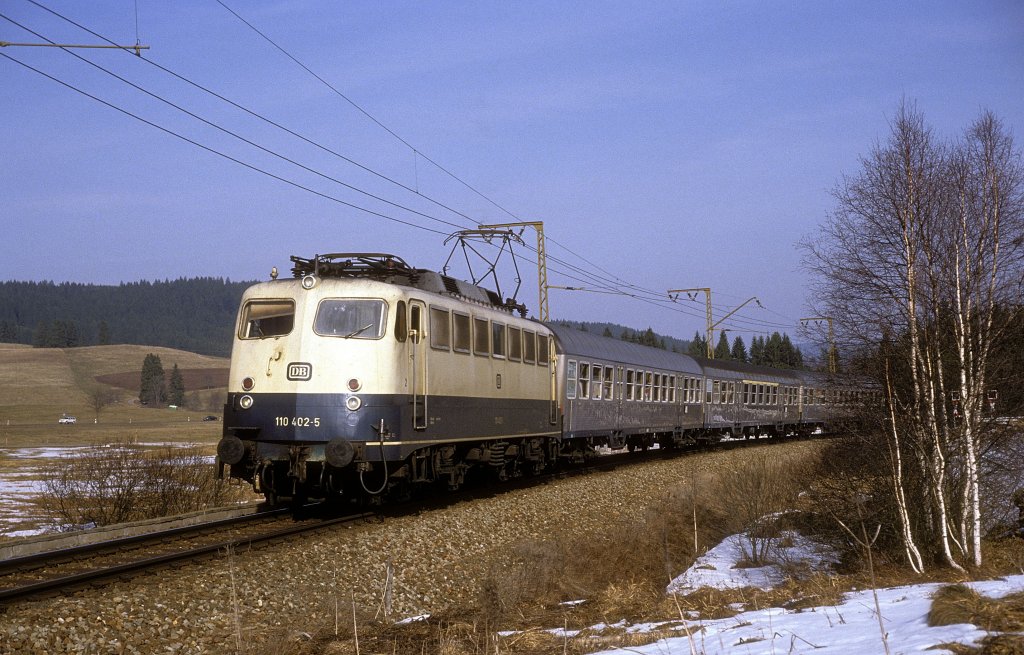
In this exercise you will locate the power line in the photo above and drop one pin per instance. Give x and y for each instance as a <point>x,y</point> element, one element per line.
<point>415,150</point>
<point>218,152</point>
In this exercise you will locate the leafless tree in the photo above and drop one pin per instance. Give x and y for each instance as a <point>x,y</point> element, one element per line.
<point>917,265</point>
<point>99,397</point>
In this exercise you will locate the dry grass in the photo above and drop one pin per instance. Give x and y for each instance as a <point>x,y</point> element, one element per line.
<point>37,385</point>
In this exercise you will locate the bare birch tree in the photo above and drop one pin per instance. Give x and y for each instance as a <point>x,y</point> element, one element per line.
<point>917,265</point>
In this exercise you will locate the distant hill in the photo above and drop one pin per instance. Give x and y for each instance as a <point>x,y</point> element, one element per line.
<point>195,314</point>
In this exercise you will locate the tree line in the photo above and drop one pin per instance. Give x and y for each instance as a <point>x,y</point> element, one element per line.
<point>196,314</point>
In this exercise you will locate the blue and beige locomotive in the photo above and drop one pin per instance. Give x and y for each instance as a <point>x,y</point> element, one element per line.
<point>362,376</point>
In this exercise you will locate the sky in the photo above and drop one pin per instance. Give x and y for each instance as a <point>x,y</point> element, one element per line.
<point>664,145</point>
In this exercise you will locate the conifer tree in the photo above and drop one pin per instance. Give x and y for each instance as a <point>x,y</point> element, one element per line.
<point>722,347</point>
<point>739,350</point>
<point>176,387</point>
<point>153,387</point>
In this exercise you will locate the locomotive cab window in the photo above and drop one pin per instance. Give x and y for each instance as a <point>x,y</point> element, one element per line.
<point>401,322</point>
<point>267,318</point>
<point>351,318</point>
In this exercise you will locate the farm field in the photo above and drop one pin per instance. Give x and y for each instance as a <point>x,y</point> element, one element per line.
<point>39,385</point>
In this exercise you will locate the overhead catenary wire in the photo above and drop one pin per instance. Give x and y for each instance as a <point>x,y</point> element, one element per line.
<point>214,151</point>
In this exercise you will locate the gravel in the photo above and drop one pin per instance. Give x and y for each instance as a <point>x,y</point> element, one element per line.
<point>292,589</point>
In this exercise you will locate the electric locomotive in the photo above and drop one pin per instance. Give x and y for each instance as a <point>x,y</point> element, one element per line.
<point>361,374</point>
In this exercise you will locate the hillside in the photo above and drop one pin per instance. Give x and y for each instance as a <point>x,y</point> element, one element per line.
<point>189,314</point>
<point>37,384</point>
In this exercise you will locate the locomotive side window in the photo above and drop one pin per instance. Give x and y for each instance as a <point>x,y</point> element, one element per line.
<point>267,318</point>
<point>529,347</point>
<point>415,323</point>
<point>515,344</point>
<point>498,340</point>
<point>440,329</point>
<point>460,332</point>
<point>351,318</point>
<point>570,379</point>
<point>543,352</point>
<point>481,337</point>
<point>401,322</point>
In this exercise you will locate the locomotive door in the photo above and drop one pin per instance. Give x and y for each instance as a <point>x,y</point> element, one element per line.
<point>418,361</point>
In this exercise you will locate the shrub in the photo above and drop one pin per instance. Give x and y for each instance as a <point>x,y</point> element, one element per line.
<point>124,481</point>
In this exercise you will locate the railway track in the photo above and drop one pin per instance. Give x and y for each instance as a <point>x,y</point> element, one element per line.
<point>68,569</point>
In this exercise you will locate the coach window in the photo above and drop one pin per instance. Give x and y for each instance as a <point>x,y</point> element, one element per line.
<point>515,344</point>
<point>481,337</point>
<point>570,379</point>
<point>529,347</point>
<point>648,385</point>
<point>656,388</point>
<point>543,352</point>
<point>595,374</point>
<point>460,333</point>
<point>608,379</point>
<point>351,318</point>
<point>672,388</point>
<point>716,392</point>
<point>629,384</point>
<point>440,329</point>
<point>583,386</point>
<point>498,340</point>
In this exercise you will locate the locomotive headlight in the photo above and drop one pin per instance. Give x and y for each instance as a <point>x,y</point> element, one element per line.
<point>308,282</point>
<point>245,402</point>
<point>248,384</point>
<point>353,403</point>
<point>354,385</point>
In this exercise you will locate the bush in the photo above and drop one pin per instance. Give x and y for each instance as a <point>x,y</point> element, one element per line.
<point>123,481</point>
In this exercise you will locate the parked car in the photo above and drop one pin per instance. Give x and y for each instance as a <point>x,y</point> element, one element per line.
<point>69,420</point>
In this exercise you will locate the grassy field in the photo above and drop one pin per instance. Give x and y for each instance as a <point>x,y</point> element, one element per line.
<point>38,385</point>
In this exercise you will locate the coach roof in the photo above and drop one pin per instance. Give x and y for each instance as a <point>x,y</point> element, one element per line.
<point>578,344</point>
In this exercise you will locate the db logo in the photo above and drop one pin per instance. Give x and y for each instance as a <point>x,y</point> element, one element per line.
<point>300,371</point>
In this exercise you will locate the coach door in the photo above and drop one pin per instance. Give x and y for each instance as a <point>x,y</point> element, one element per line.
<point>418,344</point>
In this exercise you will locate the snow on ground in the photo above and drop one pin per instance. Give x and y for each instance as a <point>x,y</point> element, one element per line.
<point>849,627</point>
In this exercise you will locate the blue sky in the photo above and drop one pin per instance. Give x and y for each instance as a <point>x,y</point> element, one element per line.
<point>667,144</point>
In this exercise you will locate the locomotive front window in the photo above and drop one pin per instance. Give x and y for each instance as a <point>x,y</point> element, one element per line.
<point>351,318</point>
<point>266,318</point>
